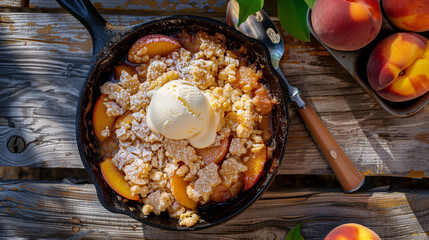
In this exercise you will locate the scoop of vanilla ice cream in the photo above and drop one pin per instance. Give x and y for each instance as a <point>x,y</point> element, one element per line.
<point>180,110</point>
<point>207,135</point>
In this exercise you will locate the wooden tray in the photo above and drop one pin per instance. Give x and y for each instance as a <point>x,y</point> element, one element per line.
<point>355,63</point>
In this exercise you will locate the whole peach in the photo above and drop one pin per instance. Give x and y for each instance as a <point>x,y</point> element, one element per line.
<point>352,231</point>
<point>398,66</point>
<point>346,25</point>
<point>408,15</point>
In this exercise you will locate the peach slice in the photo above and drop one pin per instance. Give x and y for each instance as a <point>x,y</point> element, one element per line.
<point>262,101</point>
<point>214,154</point>
<point>223,194</point>
<point>152,45</point>
<point>100,119</point>
<point>178,188</point>
<point>255,166</point>
<point>122,67</point>
<point>116,180</point>
<point>247,76</point>
<point>126,118</point>
<point>352,231</point>
<point>398,67</point>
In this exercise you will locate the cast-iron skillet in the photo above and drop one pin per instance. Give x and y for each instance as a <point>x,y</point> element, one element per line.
<point>110,48</point>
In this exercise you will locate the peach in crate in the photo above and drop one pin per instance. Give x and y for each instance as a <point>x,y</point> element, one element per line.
<point>152,45</point>
<point>116,180</point>
<point>408,15</point>
<point>346,25</point>
<point>398,67</point>
<point>100,119</point>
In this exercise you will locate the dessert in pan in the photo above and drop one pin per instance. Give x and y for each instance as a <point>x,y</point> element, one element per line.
<point>185,121</point>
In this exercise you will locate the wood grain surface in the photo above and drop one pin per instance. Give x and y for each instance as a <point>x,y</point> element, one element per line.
<point>177,6</point>
<point>11,3</point>
<point>45,59</point>
<point>45,55</point>
<point>58,210</point>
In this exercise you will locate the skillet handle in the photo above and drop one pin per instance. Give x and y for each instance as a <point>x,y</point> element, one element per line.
<point>85,12</point>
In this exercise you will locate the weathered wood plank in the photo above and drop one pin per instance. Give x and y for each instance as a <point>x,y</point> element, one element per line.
<point>66,211</point>
<point>210,6</point>
<point>162,7</point>
<point>10,3</point>
<point>44,63</point>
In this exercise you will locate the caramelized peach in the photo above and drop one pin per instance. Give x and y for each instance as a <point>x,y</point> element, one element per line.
<point>126,118</point>
<point>110,146</point>
<point>398,67</point>
<point>214,154</point>
<point>123,67</point>
<point>346,25</point>
<point>178,189</point>
<point>266,129</point>
<point>255,166</point>
<point>100,119</point>
<point>247,76</point>
<point>116,180</point>
<point>223,194</point>
<point>152,45</point>
<point>262,101</point>
<point>352,231</point>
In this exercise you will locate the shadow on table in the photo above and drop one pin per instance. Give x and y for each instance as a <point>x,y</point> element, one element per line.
<point>389,136</point>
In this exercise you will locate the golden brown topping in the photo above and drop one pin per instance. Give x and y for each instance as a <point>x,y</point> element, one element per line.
<point>149,160</point>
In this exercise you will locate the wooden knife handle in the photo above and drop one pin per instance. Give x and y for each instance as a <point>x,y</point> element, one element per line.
<point>346,173</point>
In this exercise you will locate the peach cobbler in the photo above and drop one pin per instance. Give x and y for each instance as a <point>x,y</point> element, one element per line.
<point>182,122</point>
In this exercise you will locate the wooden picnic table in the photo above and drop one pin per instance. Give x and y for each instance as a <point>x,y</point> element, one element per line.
<point>45,56</point>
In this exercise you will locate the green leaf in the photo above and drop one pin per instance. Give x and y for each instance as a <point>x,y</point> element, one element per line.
<point>247,8</point>
<point>293,18</point>
<point>310,3</point>
<point>294,233</point>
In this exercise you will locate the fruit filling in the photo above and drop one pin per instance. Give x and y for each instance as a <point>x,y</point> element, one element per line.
<point>182,122</point>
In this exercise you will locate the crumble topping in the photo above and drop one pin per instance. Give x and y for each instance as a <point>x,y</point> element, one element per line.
<point>149,159</point>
